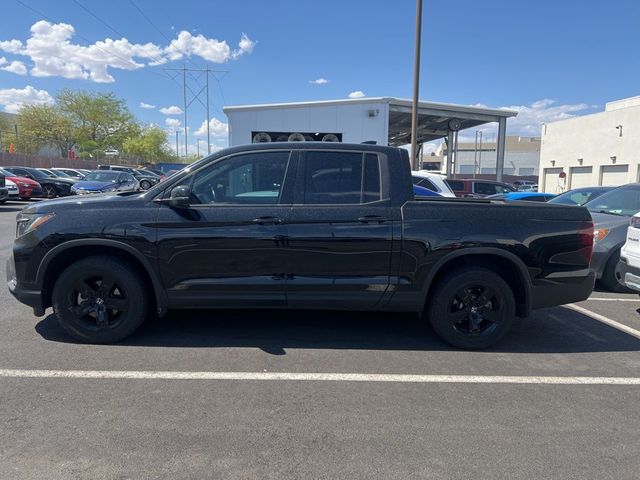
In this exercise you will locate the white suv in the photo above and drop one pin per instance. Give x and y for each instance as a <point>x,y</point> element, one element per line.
<point>629,266</point>
<point>432,181</point>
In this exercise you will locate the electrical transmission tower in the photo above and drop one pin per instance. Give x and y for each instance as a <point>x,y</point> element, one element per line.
<point>191,95</point>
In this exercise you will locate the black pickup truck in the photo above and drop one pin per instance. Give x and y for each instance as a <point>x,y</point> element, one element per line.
<point>300,226</point>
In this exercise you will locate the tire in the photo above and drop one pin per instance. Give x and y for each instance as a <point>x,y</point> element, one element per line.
<point>471,308</point>
<point>611,277</point>
<point>145,185</point>
<point>84,292</point>
<point>49,191</point>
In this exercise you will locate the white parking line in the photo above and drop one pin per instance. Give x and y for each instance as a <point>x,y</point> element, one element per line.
<point>601,318</point>
<point>614,299</point>
<point>316,377</point>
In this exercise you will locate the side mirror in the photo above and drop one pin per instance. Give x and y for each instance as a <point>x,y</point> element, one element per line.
<point>179,196</point>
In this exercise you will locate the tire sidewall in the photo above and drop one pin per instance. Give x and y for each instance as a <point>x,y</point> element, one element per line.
<point>438,305</point>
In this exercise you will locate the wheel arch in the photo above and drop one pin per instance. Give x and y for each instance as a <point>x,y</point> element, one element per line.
<point>63,255</point>
<point>506,264</point>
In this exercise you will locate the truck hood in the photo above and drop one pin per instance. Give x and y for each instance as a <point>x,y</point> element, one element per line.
<point>78,202</point>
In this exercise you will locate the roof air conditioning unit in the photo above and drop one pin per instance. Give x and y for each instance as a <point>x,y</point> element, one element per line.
<point>296,137</point>
<point>261,137</point>
<point>330,137</point>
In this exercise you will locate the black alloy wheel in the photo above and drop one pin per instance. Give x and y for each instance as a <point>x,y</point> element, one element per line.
<point>145,184</point>
<point>49,191</point>
<point>100,299</point>
<point>471,308</point>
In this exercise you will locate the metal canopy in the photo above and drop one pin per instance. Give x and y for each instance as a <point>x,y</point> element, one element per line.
<point>434,118</point>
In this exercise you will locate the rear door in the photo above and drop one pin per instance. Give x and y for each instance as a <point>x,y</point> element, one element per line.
<point>340,231</point>
<point>228,248</point>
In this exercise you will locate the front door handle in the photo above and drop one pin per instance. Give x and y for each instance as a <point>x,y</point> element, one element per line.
<point>372,219</point>
<point>268,220</point>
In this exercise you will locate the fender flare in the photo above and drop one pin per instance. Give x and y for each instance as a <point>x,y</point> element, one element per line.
<point>159,292</point>
<point>513,259</point>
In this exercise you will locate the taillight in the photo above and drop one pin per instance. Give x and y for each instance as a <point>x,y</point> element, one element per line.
<point>635,222</point>
<point>586,241</point>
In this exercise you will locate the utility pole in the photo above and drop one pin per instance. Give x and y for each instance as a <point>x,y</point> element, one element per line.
<point>198,147</point>
<point>416,88</point>
<point>195,96</point>
<point>177,152</point>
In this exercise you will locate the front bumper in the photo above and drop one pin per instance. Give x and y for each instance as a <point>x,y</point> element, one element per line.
<point>32,298</point>
<point>630,275</point>
<point>563,290</point>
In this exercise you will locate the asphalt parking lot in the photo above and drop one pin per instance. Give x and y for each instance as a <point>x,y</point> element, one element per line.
<point>238,395</point>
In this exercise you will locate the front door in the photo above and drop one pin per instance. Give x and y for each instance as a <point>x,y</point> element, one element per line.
<point>340,231</point>
<point>228,248</point>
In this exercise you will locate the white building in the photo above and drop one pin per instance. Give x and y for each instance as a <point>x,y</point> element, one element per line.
<point>383,120</point>
<point>598,149</point>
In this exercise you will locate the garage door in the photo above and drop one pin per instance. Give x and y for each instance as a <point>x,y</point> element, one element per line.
<point>614,175</point>
<point>581,177</point>
<point>551,178</point>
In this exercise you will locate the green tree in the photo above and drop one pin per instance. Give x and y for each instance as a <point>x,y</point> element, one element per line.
<point>98,117</point>
<point>149,143</point>
<point>44,125</point>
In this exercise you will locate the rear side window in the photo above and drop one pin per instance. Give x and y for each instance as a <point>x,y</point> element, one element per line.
<point>339,178</point>
<point>426,183</point>
<point>456,185</point>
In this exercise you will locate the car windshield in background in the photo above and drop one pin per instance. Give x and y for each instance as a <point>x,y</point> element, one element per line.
<point>580,196</point>
<point>621,201</point>
<point>38,174</point>
<point>103,176</point>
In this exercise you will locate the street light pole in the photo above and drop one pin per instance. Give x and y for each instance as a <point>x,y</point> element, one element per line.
<point>177,154</point>
<point>416,88</point>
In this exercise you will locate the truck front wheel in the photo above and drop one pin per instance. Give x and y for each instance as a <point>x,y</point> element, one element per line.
<point>471,308</point>
<point>100,299</point>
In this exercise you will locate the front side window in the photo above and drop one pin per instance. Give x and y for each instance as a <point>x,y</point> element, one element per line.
<point>247,179</point>
<point>341,178</point>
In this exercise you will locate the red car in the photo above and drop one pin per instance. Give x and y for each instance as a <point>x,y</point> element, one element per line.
<point>27,188</point>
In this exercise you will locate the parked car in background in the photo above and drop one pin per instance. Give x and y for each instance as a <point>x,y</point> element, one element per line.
<point>580,196</point>
<point>433,181</point>
<point>478,188</point>
<point>145,178</point>
<point>27,187</point>
<point>159,173</point>
<point>51,186</point>
<point>4,192</point>
<point>71,172</point>
<point>629,267</point>
<point>54,173</point>
<point>526,196</point>
<point>526,185</point>
<point>106,182</point>
<point>611,213</point>
<point>12,189</point>
<point>419,191</point>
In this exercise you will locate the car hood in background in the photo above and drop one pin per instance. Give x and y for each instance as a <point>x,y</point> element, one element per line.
<point>93,186</point>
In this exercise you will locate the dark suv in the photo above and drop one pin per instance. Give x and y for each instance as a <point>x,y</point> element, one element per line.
<point>478,188</point>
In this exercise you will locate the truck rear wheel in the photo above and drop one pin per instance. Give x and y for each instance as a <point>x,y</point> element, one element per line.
<point>100,299</point>
<point>471,308</point>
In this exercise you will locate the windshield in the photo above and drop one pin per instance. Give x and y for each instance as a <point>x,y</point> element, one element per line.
<point>103,176</point>
<point>578,197</point>
<point>60,173</point>
<point>621,201</point>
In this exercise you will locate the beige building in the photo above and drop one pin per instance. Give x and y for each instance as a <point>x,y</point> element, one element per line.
<point>598,149</point>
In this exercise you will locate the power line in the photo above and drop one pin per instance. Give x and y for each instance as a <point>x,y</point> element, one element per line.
<point>149,20</point>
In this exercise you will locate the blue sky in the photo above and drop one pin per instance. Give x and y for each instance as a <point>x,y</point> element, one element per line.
<point>548,59</point>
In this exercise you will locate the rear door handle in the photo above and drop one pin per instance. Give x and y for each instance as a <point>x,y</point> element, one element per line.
<point>267,220</point>
<point>372,219</point>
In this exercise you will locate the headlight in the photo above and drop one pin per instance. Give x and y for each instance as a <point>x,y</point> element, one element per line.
<point>28,222</point>
<point>600,234</point>
<point>22,184</point>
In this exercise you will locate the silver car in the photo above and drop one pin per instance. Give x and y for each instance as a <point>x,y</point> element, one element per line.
<point>611,213</point>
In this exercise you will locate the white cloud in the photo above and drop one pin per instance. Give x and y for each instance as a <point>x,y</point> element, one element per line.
<point>12,98</point>
<point>356,94</point>
<point>3,60</point>
<point>53,53</point>
<point>147,105</point>
<point>172,110</point>
<point>173,125</point>
<point>319,81</point>
<point>16,67</point>
<point>217,129</point>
